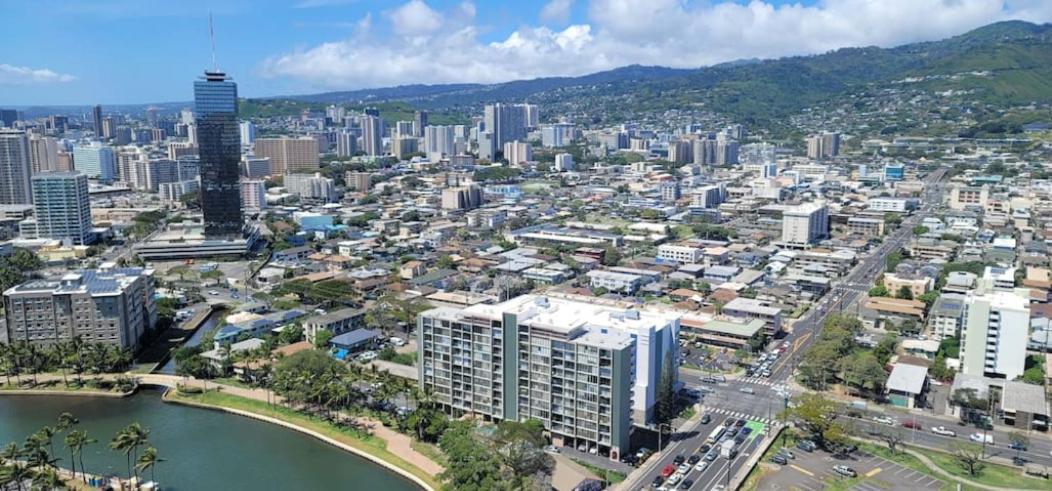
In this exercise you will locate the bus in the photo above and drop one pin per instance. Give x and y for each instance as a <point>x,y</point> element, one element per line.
<point>716,434</point>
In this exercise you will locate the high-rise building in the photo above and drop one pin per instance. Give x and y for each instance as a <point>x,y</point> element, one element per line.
<point>61,208</point>
<point>726,152</point>
<point>8,117</point>
<point>486,145</point>
<point>586,370</point>
<point>372,135</point>
<point>438,142</point>
<point>96,161</point>
<point>556,135</point>
<point>346,143</point>
<point>288,155</point>
<point>96,120</point>
<point>219,140</point>
<point>151,117</point>
<point>517,152</point>
<point>462,198</point>
<point>43,154</point>
<point>710,196</point>
<point>670,191</point>
<point>311,187</point>
<point>805,224</point>
<point>160,171</point>
<point>358,181</point>
<point>419,123</point>
<point>15,168</point>
<point>994,334</point>
<point>824,145</point>
<point>255,167</point>
<point>109,305</point>
<point>253,195</point>
<point>564,162</point>
<point>704,150</point>
<point>531,115</point>
<point>404,129</point>
<point>506,123</point>
<point>680,152</point>
<point>403,146</point>
<point>172,192</point>
<point>248,132</point>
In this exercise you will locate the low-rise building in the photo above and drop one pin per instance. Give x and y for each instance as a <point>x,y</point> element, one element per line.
<point>749,308</point>
<point>336,322</point>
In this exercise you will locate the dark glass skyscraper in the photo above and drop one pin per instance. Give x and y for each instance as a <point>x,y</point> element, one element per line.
<point>219,143</point>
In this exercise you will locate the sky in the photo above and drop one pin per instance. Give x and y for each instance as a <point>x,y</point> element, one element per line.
<point>140,51</point>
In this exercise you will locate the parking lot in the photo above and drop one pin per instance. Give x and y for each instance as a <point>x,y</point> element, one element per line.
<point>814,471</point>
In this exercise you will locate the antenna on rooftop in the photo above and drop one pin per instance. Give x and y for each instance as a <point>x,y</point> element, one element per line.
<point>212,38</point>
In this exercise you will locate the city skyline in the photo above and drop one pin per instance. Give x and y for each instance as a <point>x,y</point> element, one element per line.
<point>322,45</point>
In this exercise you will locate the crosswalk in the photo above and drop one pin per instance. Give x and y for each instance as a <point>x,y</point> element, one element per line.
<point>741,415</point>
<point>762,381</point>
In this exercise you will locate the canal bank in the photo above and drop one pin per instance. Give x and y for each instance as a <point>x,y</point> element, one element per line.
<point>209,449</point>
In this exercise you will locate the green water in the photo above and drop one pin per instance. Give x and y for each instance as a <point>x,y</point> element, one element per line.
<point>204,449</point>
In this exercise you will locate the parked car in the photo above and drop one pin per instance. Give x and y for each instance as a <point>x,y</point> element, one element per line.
<point>367,356</point>
<point>942,430</point>
<point>779,459</point>
<point>786,453</point>
<point>845,471</point>
<point>806,445</point>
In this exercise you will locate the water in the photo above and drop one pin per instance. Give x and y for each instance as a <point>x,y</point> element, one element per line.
<point>210,324</point>
<point>204,450</point>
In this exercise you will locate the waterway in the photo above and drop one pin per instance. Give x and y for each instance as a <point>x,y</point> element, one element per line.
<point>209,325</point>
<point>204,450</point>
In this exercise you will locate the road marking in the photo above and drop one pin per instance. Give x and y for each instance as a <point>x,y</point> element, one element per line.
<point>874,472</point>
<point>801,469</point>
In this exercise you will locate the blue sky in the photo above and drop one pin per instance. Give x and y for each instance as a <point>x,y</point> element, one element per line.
<point>136,51</point>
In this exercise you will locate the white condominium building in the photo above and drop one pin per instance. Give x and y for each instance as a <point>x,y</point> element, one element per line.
<point>994,334</point>
<point>587,371</point>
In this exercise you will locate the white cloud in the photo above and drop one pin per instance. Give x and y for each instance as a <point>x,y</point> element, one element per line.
<point>20,75</point>
<point>556,11</point>
<point>415,18</point>
<point>446,47</point>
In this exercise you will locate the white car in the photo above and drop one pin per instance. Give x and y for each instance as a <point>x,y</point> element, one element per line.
<point>747,390</point>
<point>980,438</point>
<point>700,466</point>
<point>684,469</point>
<point>942,430</point>
<point>674,479</point>
<point>885,420</point>
<point>367,356</point>
<point>397,341</point>
<point>213,292</point>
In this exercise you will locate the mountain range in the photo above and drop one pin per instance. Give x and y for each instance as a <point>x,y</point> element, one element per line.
<point>1005,63</point>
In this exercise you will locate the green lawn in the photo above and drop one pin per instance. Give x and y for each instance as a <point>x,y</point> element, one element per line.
<point>991,475</point>
<point>611,477</point>
<point>347,436</point>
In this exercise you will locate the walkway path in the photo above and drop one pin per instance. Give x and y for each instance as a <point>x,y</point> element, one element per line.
<point>397,443</point>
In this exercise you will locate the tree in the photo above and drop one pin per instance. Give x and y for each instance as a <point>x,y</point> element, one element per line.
<point>893,260</point>
<point>649,214</point>
<point>75,441</point>
<point>665,403</point>
<point>472,466</point>
<point>878,291</point>
<point>322,338</point>
<point>920,230</point>
<point>929,298</point>
<point>893,437</point>
<point>444,262</point>
<point>905,293</point>
<point>148,461</point>
<point>521,448</point>
<point>864,372</point>
<point>968,456</point>
<point>816,416</point>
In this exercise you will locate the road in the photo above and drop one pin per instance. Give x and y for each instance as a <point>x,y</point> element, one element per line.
<point>762,399</point>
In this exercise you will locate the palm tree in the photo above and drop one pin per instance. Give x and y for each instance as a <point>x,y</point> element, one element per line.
<point>48,480</point>
<point>148,460</point>
<point>32,356</point>
<point>66,421</point>
<point>5,359</point>
<point>10,453</point>
<point>17,473</point>
<point>122,442</point>
<point>75,441</point>
<point>76,347</point>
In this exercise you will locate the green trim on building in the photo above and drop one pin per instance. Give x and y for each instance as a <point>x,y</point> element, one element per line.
<point>621,400</point>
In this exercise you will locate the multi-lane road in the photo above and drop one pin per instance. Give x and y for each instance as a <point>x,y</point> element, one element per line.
<point>762,399</point>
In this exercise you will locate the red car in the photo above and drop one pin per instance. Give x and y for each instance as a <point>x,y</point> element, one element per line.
<point>913,425</point>
<point>668,471</point>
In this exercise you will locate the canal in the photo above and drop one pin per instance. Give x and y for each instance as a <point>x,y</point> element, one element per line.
<point>204,450</point>
<point>208,326</point>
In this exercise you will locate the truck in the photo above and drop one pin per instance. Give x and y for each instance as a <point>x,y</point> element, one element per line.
<point>727,450</point>
<point>716,434</point>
